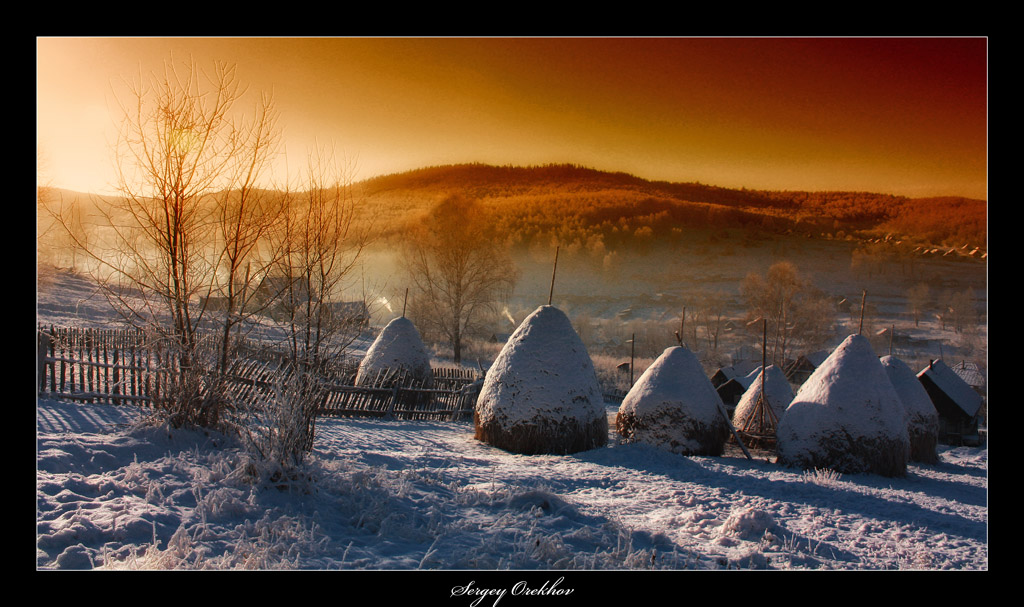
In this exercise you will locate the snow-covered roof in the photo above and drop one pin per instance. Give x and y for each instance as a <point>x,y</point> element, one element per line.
<point>953,386</point>
<point>970,373</point>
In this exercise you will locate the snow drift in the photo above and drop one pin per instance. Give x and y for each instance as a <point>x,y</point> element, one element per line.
<point>541,395</point>
<point>846,417</point>
<point>673,406</point>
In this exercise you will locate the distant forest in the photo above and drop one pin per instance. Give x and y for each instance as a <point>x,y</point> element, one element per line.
<point>591,208</point>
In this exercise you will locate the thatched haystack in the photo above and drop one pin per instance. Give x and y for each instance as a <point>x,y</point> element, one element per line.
<point>922,417</point>
<point>398,353</point>
<point>541,395</point>
<point>776,396</point>
<point>846,417</point>
<point>674,406</point>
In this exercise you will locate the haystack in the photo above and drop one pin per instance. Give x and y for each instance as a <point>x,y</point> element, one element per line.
<point>761,419</point>
<point>541,395</point>
<point>846,417</point>
<point>922,417</point>
<point>674,406</point>
<point>398,353</point>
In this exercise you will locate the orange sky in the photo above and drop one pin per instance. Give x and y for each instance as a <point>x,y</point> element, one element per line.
<point>901,116</point>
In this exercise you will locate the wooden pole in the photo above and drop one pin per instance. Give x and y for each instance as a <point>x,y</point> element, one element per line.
<point>863,298</point>
<point>405,302</point>
<point>764,353</point>
<point>892,332</point>
<point>632,357</point>
<point>682,327</point>
<point>551,292</point>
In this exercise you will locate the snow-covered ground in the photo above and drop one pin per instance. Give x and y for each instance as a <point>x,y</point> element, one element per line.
<point>114,492</point>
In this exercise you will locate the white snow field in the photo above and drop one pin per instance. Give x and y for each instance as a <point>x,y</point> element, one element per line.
<point>113,492</point>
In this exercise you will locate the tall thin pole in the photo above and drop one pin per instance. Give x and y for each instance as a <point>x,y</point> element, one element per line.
<point>863,297</point>
<point>682,327</point>
<point>405,302</point>
<point>551,293</point>
<point>764,352</point>
<point>632,357</point>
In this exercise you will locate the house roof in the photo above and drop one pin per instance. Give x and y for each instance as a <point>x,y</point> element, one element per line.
<point>953,386</point>
<point>970,373</point>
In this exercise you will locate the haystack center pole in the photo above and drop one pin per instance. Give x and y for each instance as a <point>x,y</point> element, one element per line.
<point>551,292</point>
<point>405,302</point>
<point>863,298</point>
<point>632,357</point>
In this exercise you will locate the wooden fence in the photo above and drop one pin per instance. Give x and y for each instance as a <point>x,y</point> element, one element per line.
<point>121,367</point>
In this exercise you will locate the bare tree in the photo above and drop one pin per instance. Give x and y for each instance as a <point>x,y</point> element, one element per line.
<point>320,244</point>
<point>245,216</point>
<point>458,267</point>
<point>917,298</point>
<point>798,315</point>
<point>187,167</point>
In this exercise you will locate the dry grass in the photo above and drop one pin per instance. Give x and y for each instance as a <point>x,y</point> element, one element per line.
<point>847,455</point>
<point>664,429</point>
<point>923,447</point>
<point>544,436</point>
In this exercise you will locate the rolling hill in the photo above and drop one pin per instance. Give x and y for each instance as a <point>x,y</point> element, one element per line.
<point>569,201</point>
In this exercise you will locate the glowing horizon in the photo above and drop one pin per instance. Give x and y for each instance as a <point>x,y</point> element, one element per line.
<point>905,116</point>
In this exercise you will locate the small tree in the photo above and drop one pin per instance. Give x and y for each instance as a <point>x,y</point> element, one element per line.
<point>183,159</point>
<point>917,299</point>
<point>459,268</point>
<point>320,244</point>
<point>798,315</point>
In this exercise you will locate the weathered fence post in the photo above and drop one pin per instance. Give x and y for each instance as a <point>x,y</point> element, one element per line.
<point>42,347</point>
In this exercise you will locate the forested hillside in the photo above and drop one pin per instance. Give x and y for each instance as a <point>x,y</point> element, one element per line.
<point>569,203</point>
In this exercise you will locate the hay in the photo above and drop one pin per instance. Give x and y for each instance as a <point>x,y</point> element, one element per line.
<point>396,356</point>
<point>924,445</point>
<point>922,417</point>
<point>541,395</point>
<point>846,454</point>
<point>673,431</point>
<point>776,394</point>
<point>846,417</point>
<point>543,436</point>
<point>674,406</point>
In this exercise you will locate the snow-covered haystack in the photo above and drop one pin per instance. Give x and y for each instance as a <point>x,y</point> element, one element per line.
<point>777,396</point>
<point>922,417</point>
<point>541,395</point>
<point>398,352</point>
<point>846,417</point>
<point>674,406</point>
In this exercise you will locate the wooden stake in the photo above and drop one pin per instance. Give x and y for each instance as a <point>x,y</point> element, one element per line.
<point>863,297</point>
<point>682,327</point>
<point>554,269</point>
<point>405,302</point>
<point>892,332</point>
<point>632,357</point>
